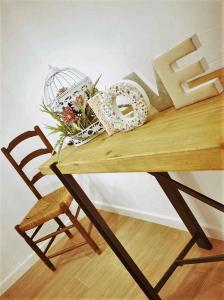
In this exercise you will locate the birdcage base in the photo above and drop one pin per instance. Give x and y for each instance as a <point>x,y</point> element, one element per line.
<point>87,134</point>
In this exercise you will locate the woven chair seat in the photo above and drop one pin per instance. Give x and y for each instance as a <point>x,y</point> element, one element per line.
<point>47,208</point>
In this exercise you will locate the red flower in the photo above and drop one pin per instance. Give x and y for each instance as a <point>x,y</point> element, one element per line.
<point>68,116</point>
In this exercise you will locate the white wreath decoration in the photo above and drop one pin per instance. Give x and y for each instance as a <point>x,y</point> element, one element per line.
<point>137,98</point>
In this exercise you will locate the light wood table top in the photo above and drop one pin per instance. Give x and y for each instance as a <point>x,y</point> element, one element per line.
<point>187,139</point>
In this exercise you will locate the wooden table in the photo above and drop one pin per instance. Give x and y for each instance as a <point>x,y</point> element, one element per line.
<point>174,140</point>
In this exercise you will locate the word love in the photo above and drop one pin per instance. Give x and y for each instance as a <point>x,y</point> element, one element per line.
<point>172,85</point>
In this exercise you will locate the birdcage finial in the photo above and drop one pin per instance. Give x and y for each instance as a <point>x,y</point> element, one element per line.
<point>53,70</point>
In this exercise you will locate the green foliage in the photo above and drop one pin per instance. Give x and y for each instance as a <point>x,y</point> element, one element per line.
<point>92,90</point>
<point>87,117</point>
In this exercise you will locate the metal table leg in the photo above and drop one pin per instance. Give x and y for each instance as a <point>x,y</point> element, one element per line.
<point>73,187</point>
<point>182,208</point>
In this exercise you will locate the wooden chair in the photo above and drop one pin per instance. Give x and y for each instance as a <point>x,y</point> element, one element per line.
<point>48,207</point>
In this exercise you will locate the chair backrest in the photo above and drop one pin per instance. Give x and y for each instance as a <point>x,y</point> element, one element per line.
<point>19,166</point>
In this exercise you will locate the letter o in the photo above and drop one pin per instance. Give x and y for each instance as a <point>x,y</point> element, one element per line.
<point>109,114</point>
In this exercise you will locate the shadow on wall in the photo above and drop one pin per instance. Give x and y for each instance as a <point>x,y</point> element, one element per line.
<point>209,184</point>
<point>143,199</point>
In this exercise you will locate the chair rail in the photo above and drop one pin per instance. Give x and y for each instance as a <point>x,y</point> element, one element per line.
<point>20,138</point>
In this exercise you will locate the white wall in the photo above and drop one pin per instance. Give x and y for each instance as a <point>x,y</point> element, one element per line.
<point>112,38</point>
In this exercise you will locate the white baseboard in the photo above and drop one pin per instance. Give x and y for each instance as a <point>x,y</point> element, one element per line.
<point>211,232</point>
<point>25,265</point>
<point>18,272</point>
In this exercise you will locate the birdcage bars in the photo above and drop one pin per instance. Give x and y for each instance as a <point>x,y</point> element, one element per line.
<point>62,85</point>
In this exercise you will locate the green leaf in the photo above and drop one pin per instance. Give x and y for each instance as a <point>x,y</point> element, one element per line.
<point>96,82</point>
<point>60,148</point>
<point>92,90</point>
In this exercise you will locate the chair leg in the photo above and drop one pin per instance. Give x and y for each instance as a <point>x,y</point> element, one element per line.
<point>36,249</point>
<point>80,228</point>
<point>90,228</point>
<point>62,225</point>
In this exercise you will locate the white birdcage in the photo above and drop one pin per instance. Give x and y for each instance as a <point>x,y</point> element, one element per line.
<point>61,85</point>
<point>61,89</point>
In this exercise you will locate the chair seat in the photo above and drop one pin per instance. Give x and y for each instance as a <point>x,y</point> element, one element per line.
<point>47,208</point>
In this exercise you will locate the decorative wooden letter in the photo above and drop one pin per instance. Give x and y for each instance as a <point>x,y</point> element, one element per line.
<point>175,79</point>
<point>105,107</point>
<point>160,101</point>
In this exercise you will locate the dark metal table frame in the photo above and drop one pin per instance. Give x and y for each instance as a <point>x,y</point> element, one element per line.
<point>171,189</point>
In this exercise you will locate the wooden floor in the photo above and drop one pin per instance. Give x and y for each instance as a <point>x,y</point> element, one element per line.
<point>82,274</point>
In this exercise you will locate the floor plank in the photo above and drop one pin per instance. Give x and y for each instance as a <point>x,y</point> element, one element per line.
<point>82,274</point>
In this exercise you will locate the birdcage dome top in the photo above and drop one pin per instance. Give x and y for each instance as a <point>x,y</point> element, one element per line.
<point>61,84</point>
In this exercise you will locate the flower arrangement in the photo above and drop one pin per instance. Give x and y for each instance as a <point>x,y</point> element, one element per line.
<point>73,115</point>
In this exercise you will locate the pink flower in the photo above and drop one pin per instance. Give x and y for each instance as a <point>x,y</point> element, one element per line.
<point>61,91</point>
<point>68,116</point>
